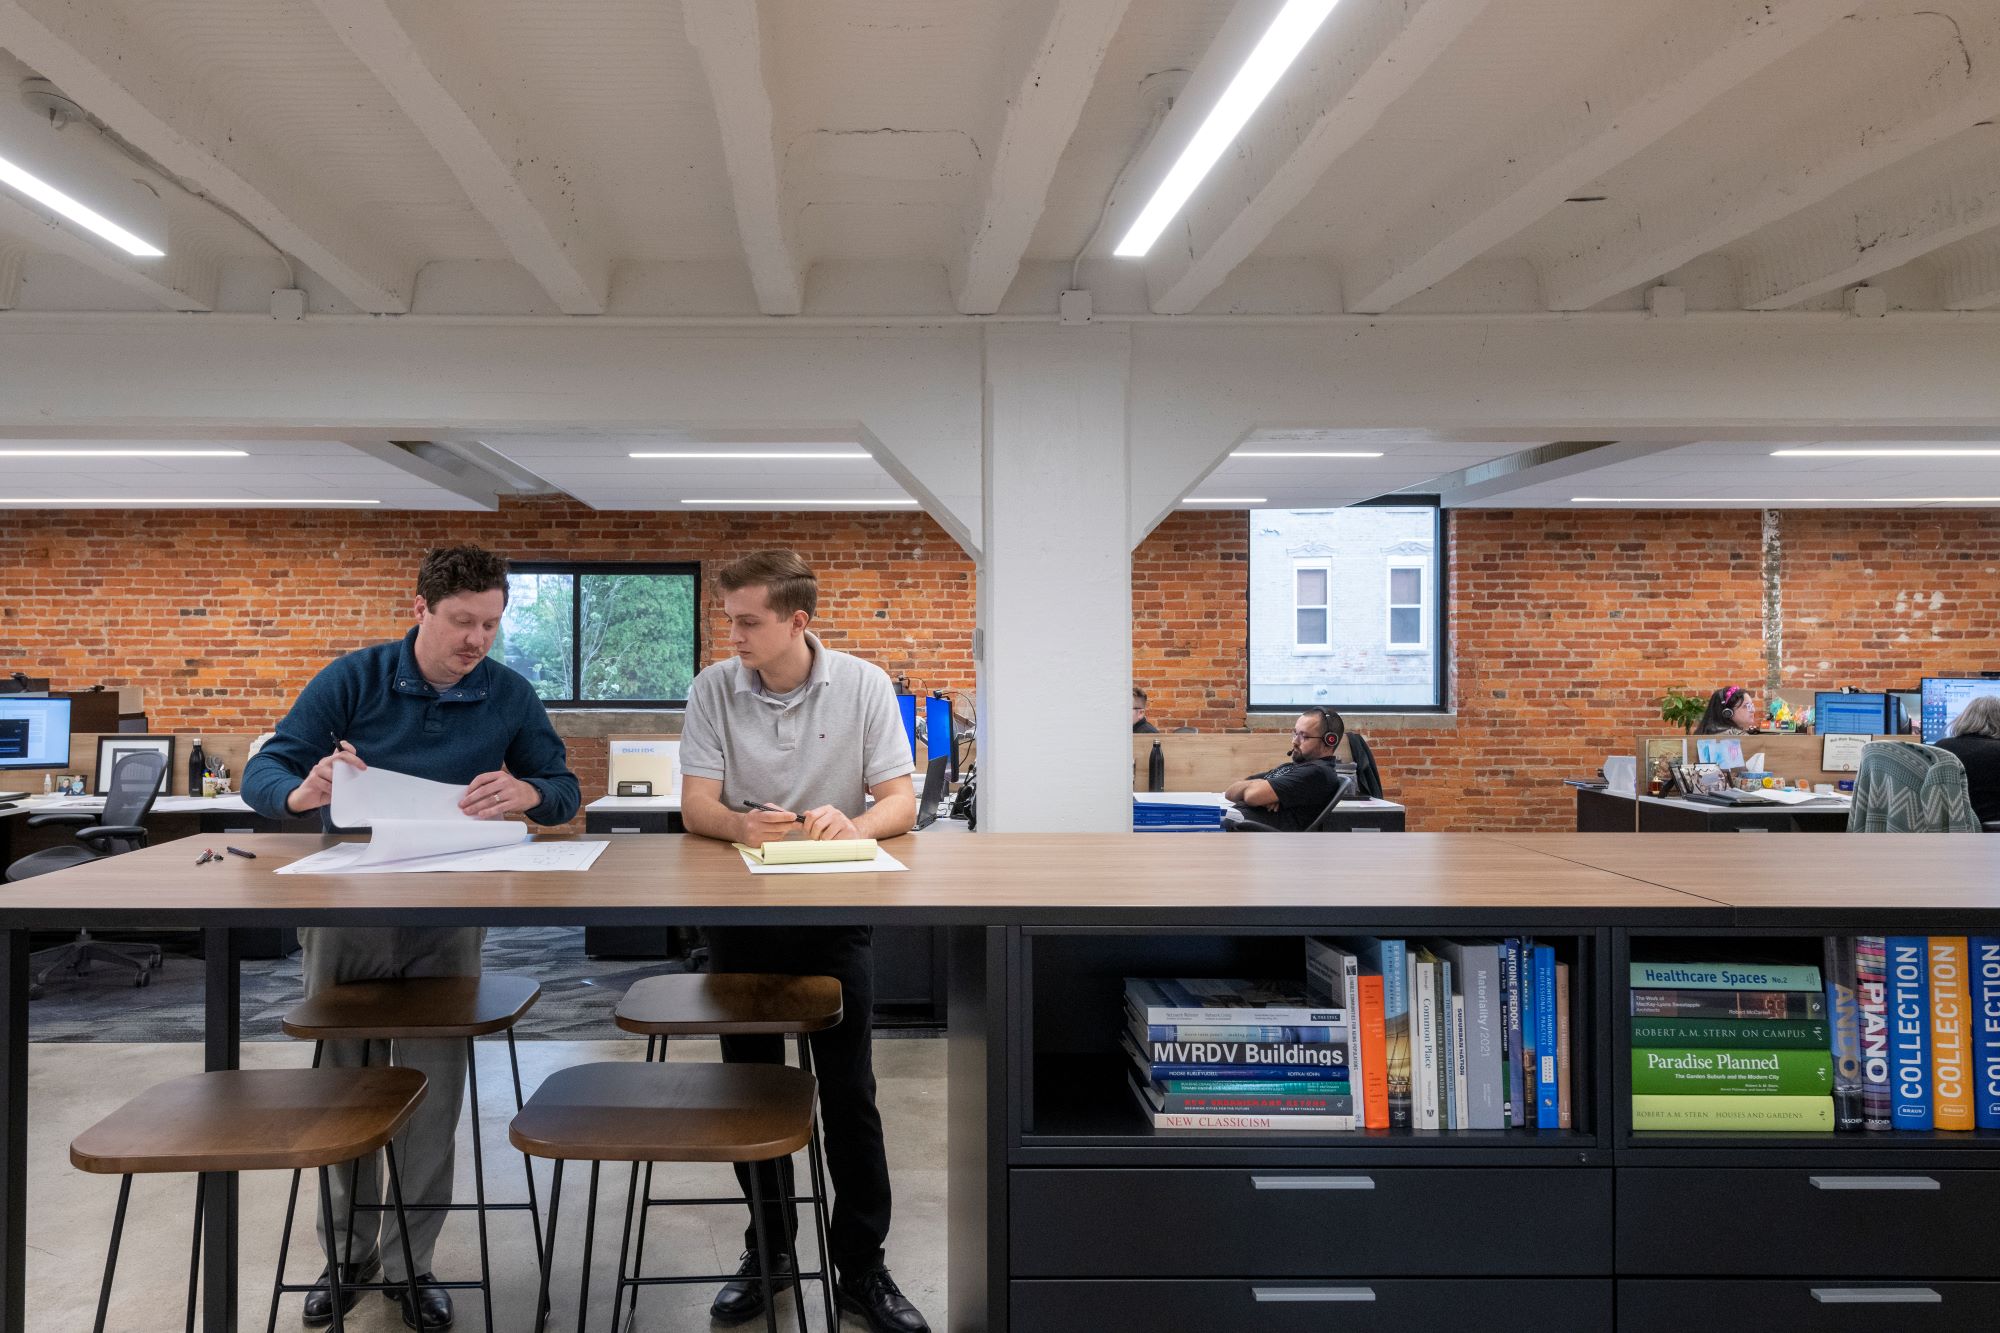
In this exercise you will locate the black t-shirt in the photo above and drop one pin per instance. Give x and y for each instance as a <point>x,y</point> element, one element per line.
<point>1302,789</point>
<point>1981,757</point>
<point>1142,725</point>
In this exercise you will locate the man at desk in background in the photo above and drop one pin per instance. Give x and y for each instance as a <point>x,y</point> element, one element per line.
<point>788,724</point>
<point>1139,723</point>
<point>433,705</point>
<point>1291,796</point>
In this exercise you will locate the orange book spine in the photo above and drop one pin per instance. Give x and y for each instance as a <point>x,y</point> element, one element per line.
<point>1951,1045</point>
<point>1371,1028</point>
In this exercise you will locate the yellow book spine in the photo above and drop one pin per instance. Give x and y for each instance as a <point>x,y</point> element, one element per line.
<point>1951,1054</point>
<point>1741,1114</point>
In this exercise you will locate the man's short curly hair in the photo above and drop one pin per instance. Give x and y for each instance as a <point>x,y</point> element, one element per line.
<point>449,570</point>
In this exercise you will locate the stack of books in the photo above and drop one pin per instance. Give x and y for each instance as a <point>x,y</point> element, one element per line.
<point>1736,1046</point>
<point>1924,1028</point>
<point>1451,1034</point>
<point>1237,1055</point>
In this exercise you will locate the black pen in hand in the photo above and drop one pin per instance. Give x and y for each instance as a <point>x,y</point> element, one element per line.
<point>766,808</point>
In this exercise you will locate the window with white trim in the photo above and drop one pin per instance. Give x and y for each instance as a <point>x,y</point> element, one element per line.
<point>1312,606</point>
<point>1406,618</point>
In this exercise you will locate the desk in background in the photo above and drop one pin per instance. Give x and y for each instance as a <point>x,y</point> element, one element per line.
<point>1363,814</point>
<point>1599,811</point>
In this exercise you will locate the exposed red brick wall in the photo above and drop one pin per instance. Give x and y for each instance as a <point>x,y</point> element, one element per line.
<point>1565,626</point>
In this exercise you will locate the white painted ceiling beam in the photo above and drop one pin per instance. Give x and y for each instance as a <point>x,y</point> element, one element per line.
<point>186,278</point>
<point>1971,281</point>
<point>86,51</point>
<point>12,256</point>
<point>1041,116</point>
<point>1889,221</point>
<point>1700,51</point>
<point>520,186</point>
<point>1358,63</point>
<point>1839,144</point>
<point>728,37</point>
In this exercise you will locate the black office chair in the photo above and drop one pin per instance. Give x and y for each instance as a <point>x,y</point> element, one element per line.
<point>135,781</point>
<point>1322,822</point>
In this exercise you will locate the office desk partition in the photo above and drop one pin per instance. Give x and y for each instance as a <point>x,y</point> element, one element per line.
<point>1044,1143</point>
<point>1620,812</point>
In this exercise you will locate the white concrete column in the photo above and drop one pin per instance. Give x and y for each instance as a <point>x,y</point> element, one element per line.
<point>1054,647</point>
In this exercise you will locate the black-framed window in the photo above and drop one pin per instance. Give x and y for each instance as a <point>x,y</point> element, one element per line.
<point>603,635</point>
<point>1347,607</point>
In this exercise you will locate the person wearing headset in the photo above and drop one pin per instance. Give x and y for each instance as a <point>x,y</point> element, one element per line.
<point>1287,798</point>
<point>1730,713</point>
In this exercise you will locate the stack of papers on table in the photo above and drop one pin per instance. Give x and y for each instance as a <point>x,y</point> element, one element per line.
<point>415,825</point>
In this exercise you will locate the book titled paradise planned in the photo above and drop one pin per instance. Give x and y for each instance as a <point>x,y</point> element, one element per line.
<point>1733,1073</point>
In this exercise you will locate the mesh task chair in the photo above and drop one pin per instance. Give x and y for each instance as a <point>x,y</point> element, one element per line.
<point>1320,824</point>
<point>135,781</point>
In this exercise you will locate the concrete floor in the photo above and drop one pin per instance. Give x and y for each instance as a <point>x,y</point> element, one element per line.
<point>71,1086</point>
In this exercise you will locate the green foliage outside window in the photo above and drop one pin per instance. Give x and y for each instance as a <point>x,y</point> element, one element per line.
<point>632,639</point>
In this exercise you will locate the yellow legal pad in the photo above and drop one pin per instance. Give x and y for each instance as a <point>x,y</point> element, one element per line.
<point>810,853</point>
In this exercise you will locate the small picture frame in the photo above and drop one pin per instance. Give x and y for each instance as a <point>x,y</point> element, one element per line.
<point>112,748</point>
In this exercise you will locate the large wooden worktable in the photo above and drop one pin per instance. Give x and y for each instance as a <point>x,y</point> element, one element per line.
<point>980,884</point>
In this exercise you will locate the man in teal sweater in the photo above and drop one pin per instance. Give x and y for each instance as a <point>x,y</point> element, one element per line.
<point>432,705</point>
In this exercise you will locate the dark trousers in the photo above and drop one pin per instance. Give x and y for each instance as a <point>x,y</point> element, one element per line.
<point>843,1061</point>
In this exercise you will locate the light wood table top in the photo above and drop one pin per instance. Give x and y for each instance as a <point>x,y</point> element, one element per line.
<point>1835,872</point>
<point>988,878</point>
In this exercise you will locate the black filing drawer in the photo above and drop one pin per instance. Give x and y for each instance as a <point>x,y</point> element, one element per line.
<point>1757,1222</point>
<point>1211,1222</point>
<point>1281,1306</point>
<point>632,821</point>
<point>1799,1305</point>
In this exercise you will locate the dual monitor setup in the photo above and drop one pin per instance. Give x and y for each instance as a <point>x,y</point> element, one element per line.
<point>1886,713</point>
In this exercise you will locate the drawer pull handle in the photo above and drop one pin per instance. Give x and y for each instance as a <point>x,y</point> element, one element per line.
<point>1312,1182</point>
<point>1874,1183</point>
<point>1876,1296</point>
<point>628,830</point>
<point>1264,1294</point>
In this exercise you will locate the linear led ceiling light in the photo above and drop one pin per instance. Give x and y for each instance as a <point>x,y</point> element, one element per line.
<point>48,196</point>
<point>149,502</point>
<point>854,504</point>
<point>1836,501</point>
<point>1300,453</point>
<point>1225,500</point>
<point>761,454</point>
<point>123,453</point>
<point>1885,453</point>
<point>1268,61</point>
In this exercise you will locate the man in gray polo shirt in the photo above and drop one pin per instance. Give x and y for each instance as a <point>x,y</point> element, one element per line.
<point>806,733</point>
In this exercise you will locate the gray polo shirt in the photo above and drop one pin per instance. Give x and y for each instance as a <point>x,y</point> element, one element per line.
<point>825,744</point>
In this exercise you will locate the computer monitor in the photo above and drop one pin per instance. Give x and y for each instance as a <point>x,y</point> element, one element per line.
<point>16,683</point>
<point>34,732</point>
<point>934,730</point>
<point>933,794</point>
<point>1852,714</point>
<point>1945,697</point>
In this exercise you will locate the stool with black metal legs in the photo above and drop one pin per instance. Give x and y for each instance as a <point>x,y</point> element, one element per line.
<point>422,1009</point>
<point>736,1004</point>
<point>250,1120</point>
<point>632,1111</point>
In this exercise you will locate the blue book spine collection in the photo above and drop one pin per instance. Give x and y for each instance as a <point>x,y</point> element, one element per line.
<point>1548,1107</point>
<point>1908,967</point>
<point>1985,969</point>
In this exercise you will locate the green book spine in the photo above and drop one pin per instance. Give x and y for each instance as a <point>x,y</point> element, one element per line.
<point>1725,976</point>
<point>1687,1034</point>
<point>1741,1114</point>
<point>1733,1073</point>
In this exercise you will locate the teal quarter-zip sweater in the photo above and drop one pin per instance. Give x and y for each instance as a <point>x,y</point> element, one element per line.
<point>378,701</point>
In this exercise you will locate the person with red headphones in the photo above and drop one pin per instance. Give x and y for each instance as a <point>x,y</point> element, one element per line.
<point>1730,713</point>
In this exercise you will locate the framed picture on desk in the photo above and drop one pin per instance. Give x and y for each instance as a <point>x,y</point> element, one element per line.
<point>110,749</point>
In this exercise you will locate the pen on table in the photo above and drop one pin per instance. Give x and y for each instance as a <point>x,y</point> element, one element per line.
<point>238,851</point>
<point>765,807</point>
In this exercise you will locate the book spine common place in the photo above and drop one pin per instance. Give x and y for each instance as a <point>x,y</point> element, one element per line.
<point>1424,1055</point>
<point>1728,1004</point>
<point>1805,1034</point>
<point>1724,976</point>
<point>1548,1092</point>
<point>1372,1037</point>
<point>1908,961</point>
<point>1872,987</point>
<point>1733,1073</point>
<point>1748,1114</point>
<point>1843,1007</point>
<point>1984,969</point>
<point>1951,1045</point>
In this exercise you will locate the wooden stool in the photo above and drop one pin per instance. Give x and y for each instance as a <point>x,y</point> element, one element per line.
<point>735,1004</point>
<point>251,1120</point>
<point>420,1009</point>
<point>626,1111</point>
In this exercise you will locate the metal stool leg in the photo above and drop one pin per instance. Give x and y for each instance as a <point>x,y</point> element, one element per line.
<point>527,1162</point>
<point>194,1259</point>
<point>549,1258</point>
<point>624,1245</point>
<point>403,1228</point>
<point>284,1247</point>
<point>656,1049</point>
<point>332,1256</point>
<point>763,1251</point>
<point>589,1234</point>
<point>816,1163</point>
<point>479,1181</point>
<point>353,1189</point>
<point>111,1258</point>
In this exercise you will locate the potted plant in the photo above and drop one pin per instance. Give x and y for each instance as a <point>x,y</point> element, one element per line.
<point>1682,710</point>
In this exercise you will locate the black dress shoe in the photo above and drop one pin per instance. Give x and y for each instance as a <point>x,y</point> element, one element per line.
<point>434,1303</point>
<point>874,1296</point>
<point>743,1299</point>
<point>319,1301</point>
